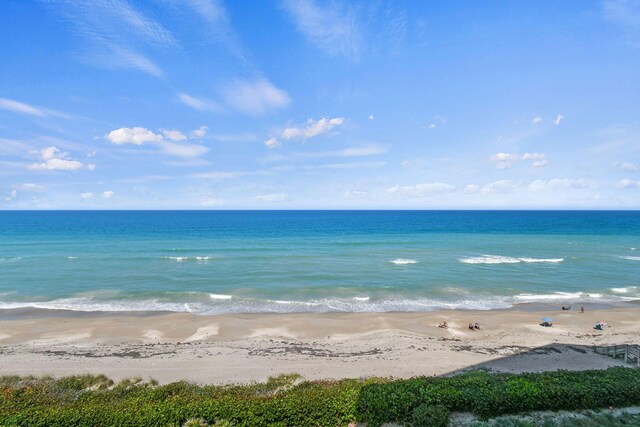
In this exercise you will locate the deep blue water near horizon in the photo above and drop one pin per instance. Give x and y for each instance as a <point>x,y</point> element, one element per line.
<point>211,262</point>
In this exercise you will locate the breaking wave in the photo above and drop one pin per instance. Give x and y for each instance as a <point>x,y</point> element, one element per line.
<point>497,259</point>
<point>223,304</point>
<point>403,261</point>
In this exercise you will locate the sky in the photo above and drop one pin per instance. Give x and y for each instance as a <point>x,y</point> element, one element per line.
<point>310,104</point>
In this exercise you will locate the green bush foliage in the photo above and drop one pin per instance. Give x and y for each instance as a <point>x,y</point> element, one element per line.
<point>427,415</point>
<point>491,395</point>
<point>284,401</point>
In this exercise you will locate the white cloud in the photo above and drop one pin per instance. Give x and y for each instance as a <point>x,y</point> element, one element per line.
<point>506,160</point>
<point>501,186</point>
<point>182,150</point>
<point>200,132</point>
<point>421,190</point>
<point>472,189</point>
<point>57,164</point>
<point>279,197</point>
<point>312,128</point>
<point>135,135</point>
<point>556,183</point>
<point>272,143</point>
<point>332,28</point>
<point>627,183</point>
<point>628,166</point>
<point>354,194</point>
<point>559,119</point>
<point>142,136</point>
<point>536,120</point>
<point>88,195</point>
<point>30,187</point>
<point>107,194</point>
<point>199,104</point>
<point>174,135</point>
<point>53,160</point>
<point>20,107</point>
<point>370,116</point>
<point>255,97</point>
<point>12,195</point>
<point>532,156</point>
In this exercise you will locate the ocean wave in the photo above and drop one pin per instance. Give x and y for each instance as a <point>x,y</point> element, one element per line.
<point>497,259</point>
<point>11,259</point>
<point>225,304</point>
<point>190,258</point>
<point>631,258</point>
<point>403,261</point>
<point>626,290</point>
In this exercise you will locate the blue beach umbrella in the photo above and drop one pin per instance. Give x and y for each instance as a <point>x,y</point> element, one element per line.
<point>547,320</point>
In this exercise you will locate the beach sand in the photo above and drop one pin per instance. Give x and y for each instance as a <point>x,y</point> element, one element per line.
<point>242,348</point>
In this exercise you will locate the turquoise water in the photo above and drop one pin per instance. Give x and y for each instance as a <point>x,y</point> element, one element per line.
<point>292,261</point>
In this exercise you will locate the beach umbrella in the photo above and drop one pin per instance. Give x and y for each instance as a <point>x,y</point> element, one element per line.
<point>547,320</point>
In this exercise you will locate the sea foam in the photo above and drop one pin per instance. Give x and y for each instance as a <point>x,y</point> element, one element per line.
<point>631,258</point>
<point>403,261</point>
<point>190,258</point>
<point>497,259</point>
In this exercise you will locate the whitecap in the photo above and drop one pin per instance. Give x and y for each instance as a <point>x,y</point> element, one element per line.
<point>631,258</point>
<point>498,259</point>
<point>186,258</point>
<point>403,261</point>
<point>72,257</point>
<point>220,296</point>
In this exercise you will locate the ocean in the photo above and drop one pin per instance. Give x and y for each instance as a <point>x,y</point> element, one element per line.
<point>214,262</point>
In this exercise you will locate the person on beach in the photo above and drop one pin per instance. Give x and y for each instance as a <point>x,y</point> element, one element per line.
<point>476,326</point>
<point>443,325</point>
<point>472,327</point>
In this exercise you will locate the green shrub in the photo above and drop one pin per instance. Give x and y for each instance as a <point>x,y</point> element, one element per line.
<point>427,415</point>
<point>195,422</point>
<point>283,401</point>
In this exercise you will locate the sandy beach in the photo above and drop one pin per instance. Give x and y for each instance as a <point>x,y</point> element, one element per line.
<point>251,347</point>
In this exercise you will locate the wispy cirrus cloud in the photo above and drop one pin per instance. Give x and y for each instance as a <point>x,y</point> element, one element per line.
<point>115,33</point>
<point>255,97</point>
<point>19,107</point>
<point>333,28</point>
<point>312,128</point>
<point>199,104</point>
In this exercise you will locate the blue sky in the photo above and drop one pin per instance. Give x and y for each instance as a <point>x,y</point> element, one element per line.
<point>309,104</point>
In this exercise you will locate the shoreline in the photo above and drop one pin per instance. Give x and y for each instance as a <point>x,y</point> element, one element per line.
<point>239,348</point>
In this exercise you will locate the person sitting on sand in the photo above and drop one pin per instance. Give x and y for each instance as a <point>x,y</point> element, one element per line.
<point>443,325</point>
<point>476,326</point>
<point>472,327</point>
